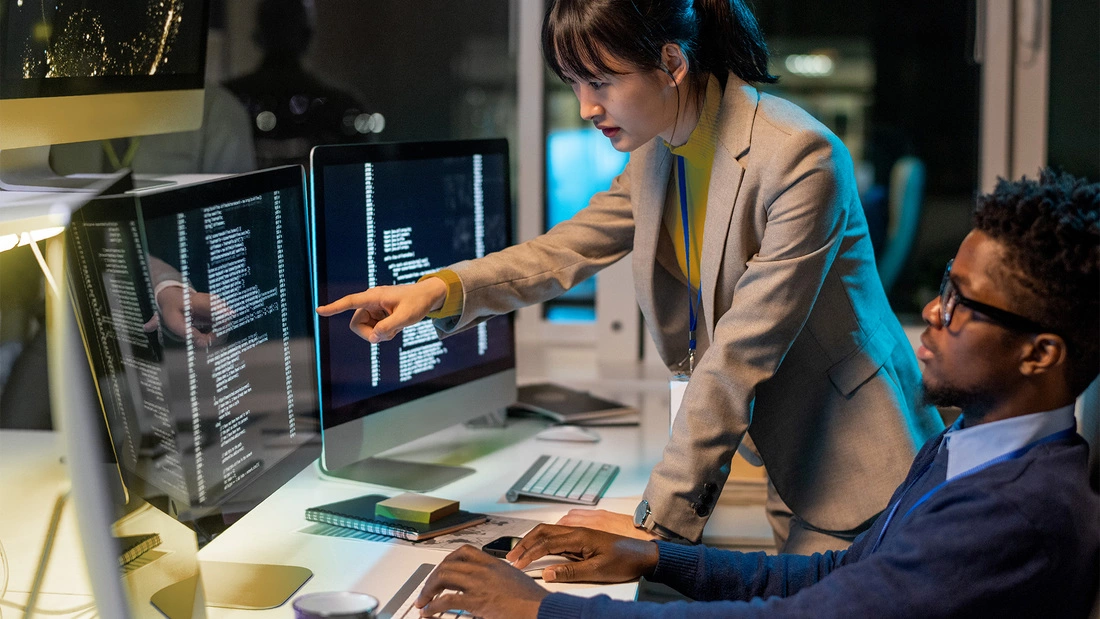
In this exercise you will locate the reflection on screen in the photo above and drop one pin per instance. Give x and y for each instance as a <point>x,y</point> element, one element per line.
<point>194,305</point>
<point>97,38</point>
<point>390,222</point>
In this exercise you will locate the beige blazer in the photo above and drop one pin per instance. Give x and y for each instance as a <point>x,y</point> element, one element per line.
<point>801,350</point>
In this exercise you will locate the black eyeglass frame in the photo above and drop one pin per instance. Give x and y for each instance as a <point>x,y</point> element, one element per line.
<point>1005,318</point>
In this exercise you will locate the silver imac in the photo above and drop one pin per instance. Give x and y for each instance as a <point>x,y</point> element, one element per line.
<point>94,70</point>
<point>386,214</point>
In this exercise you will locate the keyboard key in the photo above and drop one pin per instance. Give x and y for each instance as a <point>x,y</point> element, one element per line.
<point>540,474</point>
<point>548,476</point>
<point>596,487</point>
<point>567,485</point>
<point>585,482</point>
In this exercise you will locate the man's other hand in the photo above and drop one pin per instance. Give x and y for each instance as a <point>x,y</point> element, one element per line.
<point>482,585</point>
<point>600,557</point>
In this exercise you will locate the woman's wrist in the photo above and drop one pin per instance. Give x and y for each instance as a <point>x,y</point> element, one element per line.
<point>437,288</point>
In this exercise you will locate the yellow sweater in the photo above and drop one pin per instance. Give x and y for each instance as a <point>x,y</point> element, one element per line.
<point>698,154</point>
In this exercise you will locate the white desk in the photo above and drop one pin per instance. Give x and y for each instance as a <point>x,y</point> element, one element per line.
<point>32,476</point>
<point>270,532</point>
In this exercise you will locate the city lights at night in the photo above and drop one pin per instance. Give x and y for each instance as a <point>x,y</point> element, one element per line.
<point>70,38</point>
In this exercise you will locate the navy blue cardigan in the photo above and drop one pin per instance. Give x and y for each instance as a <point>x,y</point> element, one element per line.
<point>1020,538</point>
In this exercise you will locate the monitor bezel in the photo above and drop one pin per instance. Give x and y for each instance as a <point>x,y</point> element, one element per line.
<point>322,157</point>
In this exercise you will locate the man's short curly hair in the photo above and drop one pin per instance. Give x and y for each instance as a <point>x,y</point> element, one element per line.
<point>1051,230</point>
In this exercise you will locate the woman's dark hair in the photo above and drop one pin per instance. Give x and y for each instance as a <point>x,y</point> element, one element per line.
<point>1050,228</point>
<point>717,36</point>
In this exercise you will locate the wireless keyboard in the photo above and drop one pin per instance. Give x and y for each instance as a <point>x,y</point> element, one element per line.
<point>568,480</point>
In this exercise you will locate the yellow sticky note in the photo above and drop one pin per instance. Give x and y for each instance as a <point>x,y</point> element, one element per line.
<point>415,508</point>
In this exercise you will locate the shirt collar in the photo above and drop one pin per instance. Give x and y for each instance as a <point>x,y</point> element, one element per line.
<point>974,446</point>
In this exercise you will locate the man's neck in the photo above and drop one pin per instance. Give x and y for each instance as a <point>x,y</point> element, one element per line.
<point>977,416</point>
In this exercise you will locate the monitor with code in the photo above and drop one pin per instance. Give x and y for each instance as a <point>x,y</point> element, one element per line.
<point>387,214</point>
<point>195,311</point>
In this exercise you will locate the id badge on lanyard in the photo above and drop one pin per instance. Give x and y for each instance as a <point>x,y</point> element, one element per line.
<point>678,384</point>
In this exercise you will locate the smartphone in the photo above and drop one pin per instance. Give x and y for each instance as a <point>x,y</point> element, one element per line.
<point>501,545</point>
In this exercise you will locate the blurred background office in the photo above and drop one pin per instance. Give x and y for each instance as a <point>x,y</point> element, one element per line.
<point>934,100</point>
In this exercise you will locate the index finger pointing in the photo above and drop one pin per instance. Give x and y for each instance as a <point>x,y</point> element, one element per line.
<point>343,304</point>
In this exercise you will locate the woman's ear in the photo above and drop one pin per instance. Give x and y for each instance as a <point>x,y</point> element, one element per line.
<point>675,63</point>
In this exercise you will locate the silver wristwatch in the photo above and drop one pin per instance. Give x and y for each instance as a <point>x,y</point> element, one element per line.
<point>643,519</point>
<point>641,514</point>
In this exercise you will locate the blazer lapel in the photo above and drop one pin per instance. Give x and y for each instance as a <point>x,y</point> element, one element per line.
<point>649,185</point>
<point>735,119</point>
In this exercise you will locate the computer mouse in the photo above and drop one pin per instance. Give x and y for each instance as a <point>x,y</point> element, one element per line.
<point>568,433</point>
<point>534,570</point>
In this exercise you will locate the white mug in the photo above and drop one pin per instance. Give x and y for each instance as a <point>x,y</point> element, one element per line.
<point>335,605</point>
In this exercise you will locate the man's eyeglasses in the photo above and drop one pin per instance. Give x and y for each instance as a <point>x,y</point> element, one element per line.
<point>950,298</point>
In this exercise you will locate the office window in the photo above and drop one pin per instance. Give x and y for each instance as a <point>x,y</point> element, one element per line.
<point>580,162</point>
<point>895,81</point>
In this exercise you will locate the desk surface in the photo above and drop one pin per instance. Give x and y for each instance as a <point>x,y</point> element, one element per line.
<point>270,533</point>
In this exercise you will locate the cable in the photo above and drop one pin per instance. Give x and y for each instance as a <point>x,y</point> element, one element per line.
<point>4,565</point>
<point>44,558</point>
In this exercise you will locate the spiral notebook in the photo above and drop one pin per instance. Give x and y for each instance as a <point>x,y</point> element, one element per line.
<point>358,514</point>
<point>131,547</point>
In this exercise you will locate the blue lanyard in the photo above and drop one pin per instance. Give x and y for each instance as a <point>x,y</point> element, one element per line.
<point>692,319</point>
<point>1012,455</point>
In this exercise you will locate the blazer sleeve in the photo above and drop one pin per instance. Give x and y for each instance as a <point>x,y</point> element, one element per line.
<point>548,265</point>
<point>806,187</point>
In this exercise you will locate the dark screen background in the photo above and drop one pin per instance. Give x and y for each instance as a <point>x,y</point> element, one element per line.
<point>435,198</point>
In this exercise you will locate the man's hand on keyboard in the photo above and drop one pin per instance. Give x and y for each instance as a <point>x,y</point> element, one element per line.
<point>602,557</point>
<point>486,587</point>
<point>603,520</point>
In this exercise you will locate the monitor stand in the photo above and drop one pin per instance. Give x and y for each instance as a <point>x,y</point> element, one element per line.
<point>401,474</point>
<point>232,585</point>
<point>28,169</point>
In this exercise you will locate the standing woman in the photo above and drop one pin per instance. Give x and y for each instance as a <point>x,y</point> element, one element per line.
<point>743,220</point>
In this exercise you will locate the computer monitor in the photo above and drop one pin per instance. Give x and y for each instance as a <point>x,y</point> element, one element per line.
<point>386,214</point>
<point>194,309</point>
<point>94,69</point>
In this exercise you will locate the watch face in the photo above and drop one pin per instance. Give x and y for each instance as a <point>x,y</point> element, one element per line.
<point>641,512</point>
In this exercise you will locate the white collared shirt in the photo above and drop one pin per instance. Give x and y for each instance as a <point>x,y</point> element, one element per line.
<point>974,446</point>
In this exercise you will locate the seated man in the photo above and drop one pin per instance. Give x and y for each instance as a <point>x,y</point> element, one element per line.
<point>996,516</point>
